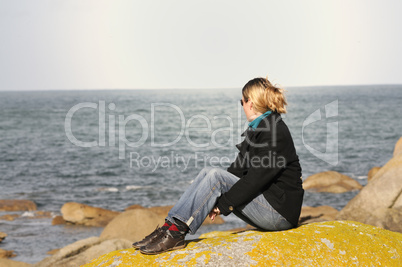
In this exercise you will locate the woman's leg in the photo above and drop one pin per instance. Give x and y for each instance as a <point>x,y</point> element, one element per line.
<point>190,211</point>
<point>261,214</point>
<point>197,202</point>
<point>201,197</point>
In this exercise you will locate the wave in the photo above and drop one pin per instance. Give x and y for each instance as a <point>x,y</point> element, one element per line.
<point>28,214</point>
<point>135,187</point>
<point>361,177</point>
<point>108,189</point>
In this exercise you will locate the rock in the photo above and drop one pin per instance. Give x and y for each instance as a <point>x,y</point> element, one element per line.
<point>9,217</point>
<point>58,220</point>
<point>17,205</point>
<point>11,263</point>
<point>7,253</point>
<point>218,220</point>
<point>53,251</point>
<point>132,225</point>
<point>380,201</point>
<point>393,219</point>
<point>398,202</point>
<point>70,251</point>
<point>86,215</point>
<point>336,243</point>
<point>164,210</point>
<point>398,147</point>
<point>27,214</point>
<point>2,236</point>
<point>317,214</point>
<point>240,229</point>
<point>386,218</point>
<point>82,252</point>
<point>135,206</point>
<point>40,214</point>
<point>330,182</point>
<point>372,172</point>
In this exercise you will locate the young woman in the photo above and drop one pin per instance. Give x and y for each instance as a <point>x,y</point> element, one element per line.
<point>262,186</point>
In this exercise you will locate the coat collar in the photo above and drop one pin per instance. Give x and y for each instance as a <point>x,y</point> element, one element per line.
<point>265,123</point>
<point>273,117</point>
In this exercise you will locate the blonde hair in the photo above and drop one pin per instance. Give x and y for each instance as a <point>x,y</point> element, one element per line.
<point>265,96</point>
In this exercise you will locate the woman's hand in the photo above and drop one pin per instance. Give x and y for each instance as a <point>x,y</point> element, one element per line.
<point>214,213</point>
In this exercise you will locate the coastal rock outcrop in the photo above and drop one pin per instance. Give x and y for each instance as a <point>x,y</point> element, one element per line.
<point>7,253</point>
<point>379,203</point>
<point>132,225</point>
<point>11,263</point>
<point>9,217</point>
<point>372,172</point>
<point>17,205</point>
<point>58,220</point>
<point>38,214</point>
<point>317,214</point>
<point>78,213</point>
<point>398,147</point>
<point>331,182</point>
<point>83,251</point>
<point>2,236</point>
<point>164,210</point>
<point>336,243</point>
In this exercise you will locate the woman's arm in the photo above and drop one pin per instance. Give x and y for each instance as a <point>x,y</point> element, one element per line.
<point>215,212</point>
<point>265,165</point>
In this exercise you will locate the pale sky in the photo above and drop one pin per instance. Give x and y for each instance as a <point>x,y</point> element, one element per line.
<point>126,44</point>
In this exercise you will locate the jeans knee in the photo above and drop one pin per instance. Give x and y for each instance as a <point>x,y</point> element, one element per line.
<point>213,171</point>
<point>206,170</point>
<point>213,175</point>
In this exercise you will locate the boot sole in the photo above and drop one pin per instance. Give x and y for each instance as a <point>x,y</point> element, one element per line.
<point>155,253</point>
<point>146,243</point>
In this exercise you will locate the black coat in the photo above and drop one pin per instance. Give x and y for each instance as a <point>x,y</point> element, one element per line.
<point>267,163</point>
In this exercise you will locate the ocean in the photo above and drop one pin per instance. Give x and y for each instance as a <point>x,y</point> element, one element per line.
<point>116,148</point>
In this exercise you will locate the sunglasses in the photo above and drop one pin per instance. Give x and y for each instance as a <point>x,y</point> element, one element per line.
<point>241,101</point>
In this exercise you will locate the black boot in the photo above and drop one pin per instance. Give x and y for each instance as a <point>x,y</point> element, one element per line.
<point>155,234</point>
<point>172,239</point>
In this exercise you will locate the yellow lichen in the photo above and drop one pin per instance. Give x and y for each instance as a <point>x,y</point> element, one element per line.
<point>338,243</point>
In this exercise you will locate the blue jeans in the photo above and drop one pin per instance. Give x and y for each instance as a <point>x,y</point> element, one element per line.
<point>202,195</point>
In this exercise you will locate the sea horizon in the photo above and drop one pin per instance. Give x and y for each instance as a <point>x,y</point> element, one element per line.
<point>200,88</point>
<point>40,162</point>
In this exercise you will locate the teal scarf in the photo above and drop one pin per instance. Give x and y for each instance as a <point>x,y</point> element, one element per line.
<point>254,124</point>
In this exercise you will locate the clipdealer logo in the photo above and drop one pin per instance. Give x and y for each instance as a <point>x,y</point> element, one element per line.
<point>149,130</point>
<point>330,155</point>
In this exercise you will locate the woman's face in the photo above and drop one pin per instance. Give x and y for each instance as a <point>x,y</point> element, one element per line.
<point>248,108</point>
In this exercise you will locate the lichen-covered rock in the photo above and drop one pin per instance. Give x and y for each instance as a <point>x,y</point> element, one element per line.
<point>331,182</point>
<point>335,243</point>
